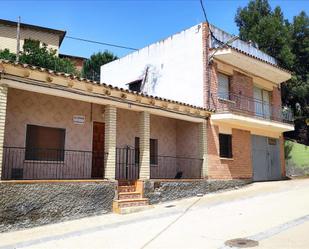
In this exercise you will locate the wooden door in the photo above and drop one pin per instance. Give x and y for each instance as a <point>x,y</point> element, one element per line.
<point>98,150</point>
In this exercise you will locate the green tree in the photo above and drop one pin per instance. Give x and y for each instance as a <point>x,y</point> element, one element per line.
<point>7,55</point>
<point>91,68</point>
<point>287,42</point>
<point>40,56</point>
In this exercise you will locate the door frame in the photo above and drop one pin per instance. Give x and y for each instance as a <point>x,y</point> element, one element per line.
<point>92,128</point>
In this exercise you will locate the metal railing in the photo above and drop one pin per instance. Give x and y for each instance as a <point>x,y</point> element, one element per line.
<point>31,164</point>
<point>169,167</point>
<point>127,163</point>
<point>231,102</point>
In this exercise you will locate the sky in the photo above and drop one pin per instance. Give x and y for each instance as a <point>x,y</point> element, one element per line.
<point>129,23</point>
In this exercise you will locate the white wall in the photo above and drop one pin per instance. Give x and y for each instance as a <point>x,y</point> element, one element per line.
<point>175,67</point>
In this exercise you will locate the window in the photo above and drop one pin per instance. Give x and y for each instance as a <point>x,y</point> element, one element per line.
<point>223,86</point>
<point>44,143</point>
<point>225,141</point>
<point>135,85</point>
<point>154,151</point>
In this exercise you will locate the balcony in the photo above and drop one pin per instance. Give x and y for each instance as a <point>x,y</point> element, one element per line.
<point>236,103</point>
<point>249,112</point>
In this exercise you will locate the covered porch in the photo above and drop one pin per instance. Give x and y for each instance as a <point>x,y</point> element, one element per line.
<point>64,128</point>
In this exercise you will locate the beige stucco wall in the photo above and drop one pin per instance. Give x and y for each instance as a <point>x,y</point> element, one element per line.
<point>175,137</point>
<point>38,109</point>
<point>8,37</point>
<point>127,127</point>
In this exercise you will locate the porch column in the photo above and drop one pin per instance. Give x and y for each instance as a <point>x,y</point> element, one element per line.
<point>110,141</point>
<point>3,103</point>
<point>203,147</point>
<point>144,146</point>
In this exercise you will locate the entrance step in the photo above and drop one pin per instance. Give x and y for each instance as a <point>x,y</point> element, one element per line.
<point>126,188</point>
<point>129,195</point>
<point>118,205</point>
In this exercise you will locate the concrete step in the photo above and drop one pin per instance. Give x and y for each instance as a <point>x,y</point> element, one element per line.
<point>129,210</point>
<point>126,188</point>
<point>129,195</point>
<point>119,204</point>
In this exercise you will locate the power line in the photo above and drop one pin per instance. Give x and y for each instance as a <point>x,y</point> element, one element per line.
<point>204,11</point>
<point>101,43</point>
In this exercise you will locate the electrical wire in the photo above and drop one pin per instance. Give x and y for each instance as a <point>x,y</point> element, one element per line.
<point>101,43</point>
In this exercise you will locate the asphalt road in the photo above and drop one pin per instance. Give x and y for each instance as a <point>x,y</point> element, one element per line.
<point>272,214</point>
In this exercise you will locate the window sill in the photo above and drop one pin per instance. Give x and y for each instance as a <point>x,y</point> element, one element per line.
<point>43,161</point>
<point>226,100</point>
<point>227,158</point>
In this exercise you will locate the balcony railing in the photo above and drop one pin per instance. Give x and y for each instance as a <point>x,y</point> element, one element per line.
<point>168,167</point>
<point>231,102</point>
<point>31,164</point>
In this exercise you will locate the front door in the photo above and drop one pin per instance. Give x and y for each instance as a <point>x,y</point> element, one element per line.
<point>98,150</point>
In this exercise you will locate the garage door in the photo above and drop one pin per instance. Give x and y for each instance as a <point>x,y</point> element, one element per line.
<point>265,158</point>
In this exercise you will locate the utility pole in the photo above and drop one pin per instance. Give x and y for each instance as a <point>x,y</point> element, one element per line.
<point>18,40</point>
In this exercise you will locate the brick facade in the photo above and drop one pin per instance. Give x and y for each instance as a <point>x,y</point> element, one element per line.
<point>3,104</point>
<point>144,136</point>
<point>238,167</point>
<point>203,147</point>
<point>110,141</point>
<point>276,102</point>
<point>241,84</point>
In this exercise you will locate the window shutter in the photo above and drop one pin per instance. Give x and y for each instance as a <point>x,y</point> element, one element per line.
<point>223,86</point>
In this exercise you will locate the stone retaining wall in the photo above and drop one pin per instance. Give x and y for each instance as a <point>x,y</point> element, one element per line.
<point>25,205</point>
<point>162,190</point>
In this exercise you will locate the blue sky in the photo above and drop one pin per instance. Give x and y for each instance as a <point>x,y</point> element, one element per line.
<point>130,23</point>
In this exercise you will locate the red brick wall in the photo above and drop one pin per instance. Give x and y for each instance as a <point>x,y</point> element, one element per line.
<point>276,102</point>
<point>241,84</point>
<point>240,167</point>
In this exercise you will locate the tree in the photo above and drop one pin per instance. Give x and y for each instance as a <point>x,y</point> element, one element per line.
<point>7,55</point>
<point>91,68</point>
<point>287,42</point>
<point>35,54</point>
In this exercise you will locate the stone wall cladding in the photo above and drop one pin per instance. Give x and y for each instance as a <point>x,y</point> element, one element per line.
<point>161,191</point>
<point>26,205</point>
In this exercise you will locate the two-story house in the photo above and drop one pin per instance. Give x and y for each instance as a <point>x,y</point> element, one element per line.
<point>210,68</point>
<point>53,38</point>
<point>8,32</point>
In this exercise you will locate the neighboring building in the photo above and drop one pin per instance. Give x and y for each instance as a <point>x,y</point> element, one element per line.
<point>8,31</point>
<point>77,60</point>
<point>241,83</point>
<point>51,37</point>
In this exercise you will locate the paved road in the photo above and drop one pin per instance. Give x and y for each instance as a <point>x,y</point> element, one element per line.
<point>276,214</point>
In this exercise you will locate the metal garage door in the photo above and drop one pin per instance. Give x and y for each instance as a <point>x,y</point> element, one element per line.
<point>265,158</point>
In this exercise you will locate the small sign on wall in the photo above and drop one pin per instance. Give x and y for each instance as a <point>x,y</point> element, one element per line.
<point>79,119</point>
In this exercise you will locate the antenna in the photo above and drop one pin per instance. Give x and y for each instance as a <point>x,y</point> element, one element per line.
<point>18,39</point>
<point>145,79</point>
